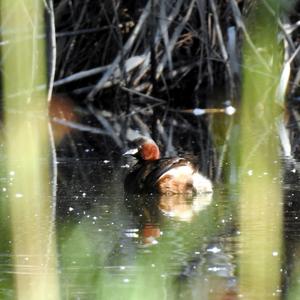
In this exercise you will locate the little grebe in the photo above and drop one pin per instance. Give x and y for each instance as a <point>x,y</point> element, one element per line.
<point>153,174</point>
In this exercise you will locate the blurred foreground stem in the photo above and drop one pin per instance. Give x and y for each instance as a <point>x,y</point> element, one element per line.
<point>260,208</point>
<point>25,115</point>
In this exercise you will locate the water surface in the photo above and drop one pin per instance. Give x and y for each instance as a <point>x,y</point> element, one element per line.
<point>112,246</point>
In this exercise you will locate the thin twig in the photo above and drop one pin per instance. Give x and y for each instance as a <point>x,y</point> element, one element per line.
<point>285,76</point>
<point>223,47</point>
<point>171,17</point>
<point>126,49</point>
<point>52,42</point>
<point>202,8</point>
<point>73,39</point>
<point>130,64</point>
<point>142,95</point>
<point>79,127</point>
<point>175,35</point>
<point>54,170</point>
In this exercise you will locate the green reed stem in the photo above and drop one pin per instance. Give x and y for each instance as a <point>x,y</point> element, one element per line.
<point>26,123</point>
<point>260,181</point>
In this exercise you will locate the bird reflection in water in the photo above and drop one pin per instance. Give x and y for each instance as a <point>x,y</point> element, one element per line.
<point>153,210</point>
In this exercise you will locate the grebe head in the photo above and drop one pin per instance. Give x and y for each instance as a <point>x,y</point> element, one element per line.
<point>144,149</point>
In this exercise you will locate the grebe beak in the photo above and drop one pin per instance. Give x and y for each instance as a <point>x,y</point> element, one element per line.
<point>131,152</point>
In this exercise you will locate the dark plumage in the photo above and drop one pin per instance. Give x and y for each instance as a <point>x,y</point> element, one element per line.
<point>153,174</point>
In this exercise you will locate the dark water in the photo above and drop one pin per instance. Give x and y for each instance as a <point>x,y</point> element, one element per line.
<point>115,247</point>
<point>115,244</point>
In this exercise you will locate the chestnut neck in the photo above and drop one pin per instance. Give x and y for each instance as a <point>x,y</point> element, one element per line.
<point>149,151</point>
